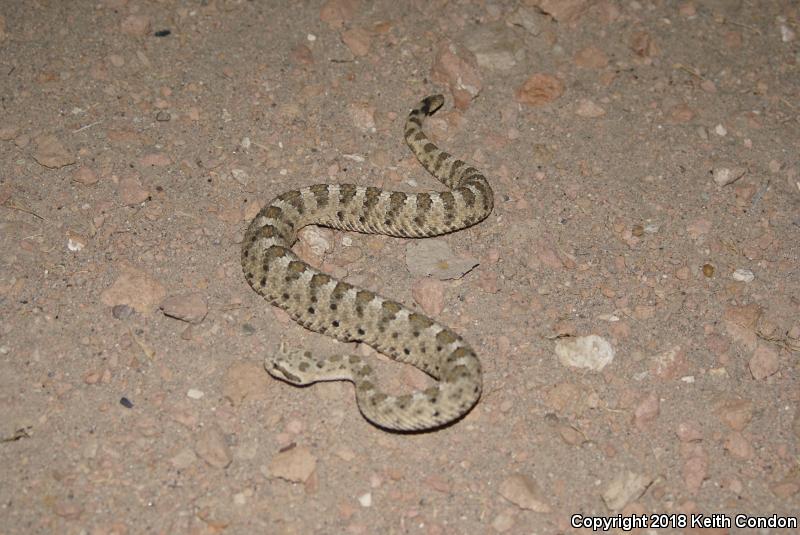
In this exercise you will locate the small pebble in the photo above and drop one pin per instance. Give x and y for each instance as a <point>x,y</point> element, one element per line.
<point>193,393</point>
<point>125,402</point>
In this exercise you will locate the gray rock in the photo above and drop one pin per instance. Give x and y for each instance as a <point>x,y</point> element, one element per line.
<point>495,46</point>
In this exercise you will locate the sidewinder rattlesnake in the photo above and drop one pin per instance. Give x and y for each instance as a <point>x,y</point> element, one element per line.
<point>324,304</point>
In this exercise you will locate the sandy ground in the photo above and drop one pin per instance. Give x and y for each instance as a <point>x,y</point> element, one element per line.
<point>644,156</point>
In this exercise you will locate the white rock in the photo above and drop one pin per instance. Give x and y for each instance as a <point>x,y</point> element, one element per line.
<point>75,245</point>
<point>495,45</point>
<point>743,275</point>
<point>240,176</point>
<point>365,499</point>
<point>195,394</point>
<point>318,240</point>
<point>587,108</point>
<point>724,176</point>
<point>591,352</point>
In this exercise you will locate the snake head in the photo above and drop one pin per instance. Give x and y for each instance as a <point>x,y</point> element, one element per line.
<point>280,370</point>
<point>290,365</point>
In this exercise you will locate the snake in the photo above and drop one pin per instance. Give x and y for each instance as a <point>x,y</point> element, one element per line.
<point>324,304</point>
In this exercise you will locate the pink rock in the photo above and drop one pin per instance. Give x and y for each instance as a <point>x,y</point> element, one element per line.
<point>591,57</point>
<point>643,45</point>
<point>131,191</point>
<point>764,362</point>
<point>669,364</point>
<point>698,227</point>
<point>689,432</point>
<point>85,176</point>
<point>547,256</point>
<point>357,40</point>
<point>212,448</point>
<point>456,67</point>
<point>50,152</point>
<point>647,411</point>
<point>523,491</point>
<point>301,55</point>
<point>740,324</point>
<point>191,307</point>
<point>245,381</point>
<point>738,446</point>
<point>539,89</point>
<point>294,464</point>
<point>562,10</point>
<point>362,115</point>
<point>155,159</point>
<point>336,12</point>
<point>786,489</point>
<point>136,25</point>
<point>134,288</point>
<point>429,294</point>
<point>695,471</point>
<point>8,132</point>
<point>736,413</point>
